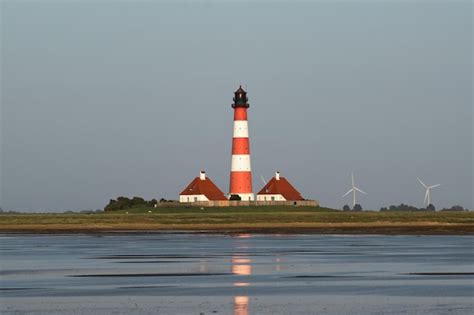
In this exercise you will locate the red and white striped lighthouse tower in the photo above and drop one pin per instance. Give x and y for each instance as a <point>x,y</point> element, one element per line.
<point>241,172</point>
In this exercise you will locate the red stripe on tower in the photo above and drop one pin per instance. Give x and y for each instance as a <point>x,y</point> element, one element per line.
<point>241,172</point>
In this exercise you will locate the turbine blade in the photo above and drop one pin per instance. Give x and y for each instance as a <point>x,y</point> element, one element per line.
<point>347,193</point>
<point>352,176</point>
<point>426,195</point>
<point>437,185</point>
<point>422,183</point>
<point>263,180</point>
<point>360,190</point>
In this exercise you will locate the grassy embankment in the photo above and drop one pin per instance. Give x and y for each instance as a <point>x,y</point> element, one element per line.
<point>244,220</point>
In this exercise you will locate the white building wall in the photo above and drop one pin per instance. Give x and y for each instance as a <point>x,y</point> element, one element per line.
<point>192,198</point>
<point>244,197</point>
<point>268,197</point>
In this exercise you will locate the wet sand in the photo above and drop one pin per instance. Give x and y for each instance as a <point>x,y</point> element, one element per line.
<point>391,229</point>
<point>388,228</point>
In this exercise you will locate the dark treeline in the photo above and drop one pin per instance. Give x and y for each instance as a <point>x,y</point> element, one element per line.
<point>455,208</point>
<point>126,203</point>
<point>404,207</point>
<point>84,211</point>
<point>357,207</point>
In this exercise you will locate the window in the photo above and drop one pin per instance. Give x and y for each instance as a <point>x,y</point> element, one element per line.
<point>195,199</point>
<point>273,198</point>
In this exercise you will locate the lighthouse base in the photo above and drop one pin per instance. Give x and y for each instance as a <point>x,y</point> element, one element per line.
<point>244,197</point>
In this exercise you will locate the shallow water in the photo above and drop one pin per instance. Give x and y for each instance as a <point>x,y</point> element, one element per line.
<point>242,274</point>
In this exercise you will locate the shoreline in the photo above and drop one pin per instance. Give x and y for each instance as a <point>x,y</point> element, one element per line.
<point>358,229</point>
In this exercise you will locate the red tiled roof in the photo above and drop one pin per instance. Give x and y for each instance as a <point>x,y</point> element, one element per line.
<point>204,187</point>
<point>281,187</point>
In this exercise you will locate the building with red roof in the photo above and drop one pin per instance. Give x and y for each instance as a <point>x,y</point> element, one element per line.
<point>279,189</point>
<point>201,189</point>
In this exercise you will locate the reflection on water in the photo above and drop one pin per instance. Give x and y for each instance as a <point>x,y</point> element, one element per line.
<point>241,262</point>
<point>241,284</point>
<point>277,264</point>
<point>243,270</point>
<point>241,266</point>
<point>241,305</point>
<point>250,274</point>
<point>243,235</point>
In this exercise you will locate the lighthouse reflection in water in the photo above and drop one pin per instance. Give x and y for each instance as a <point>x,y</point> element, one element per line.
<point>241,266</point>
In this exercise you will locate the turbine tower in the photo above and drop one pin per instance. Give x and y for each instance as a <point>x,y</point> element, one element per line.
<point>241,172</point>
<point>427,201</point>
<point>353,190</point>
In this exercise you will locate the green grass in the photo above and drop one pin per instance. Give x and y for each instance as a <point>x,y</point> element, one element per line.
<point>232,215</point>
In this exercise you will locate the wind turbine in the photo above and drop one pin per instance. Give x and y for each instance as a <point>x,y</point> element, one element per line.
<point>263,180</point>
<point>427,201</point>
<point>353,191</point>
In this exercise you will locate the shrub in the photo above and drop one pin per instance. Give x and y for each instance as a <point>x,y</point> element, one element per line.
<point>126,203</point>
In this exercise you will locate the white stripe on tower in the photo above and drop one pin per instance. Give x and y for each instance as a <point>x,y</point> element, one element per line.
<point>241,129</point>
<point>241,163</point>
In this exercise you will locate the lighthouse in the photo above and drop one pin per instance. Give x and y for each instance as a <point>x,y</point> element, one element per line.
<point>241,172</point>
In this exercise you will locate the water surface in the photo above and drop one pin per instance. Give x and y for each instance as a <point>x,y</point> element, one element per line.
<point>173,273</point>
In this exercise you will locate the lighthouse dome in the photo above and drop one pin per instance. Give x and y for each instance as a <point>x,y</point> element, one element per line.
<point>240,90</point>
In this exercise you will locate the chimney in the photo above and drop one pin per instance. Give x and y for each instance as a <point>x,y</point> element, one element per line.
<point>277,175</point>
<point>202,175</point>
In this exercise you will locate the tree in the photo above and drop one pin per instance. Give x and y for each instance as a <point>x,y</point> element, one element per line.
<point>383,209</point>
<point>431,207</point>
<point>454,208</point>
<point>111,206</point>
<point>346,208</point>
<point>137,201</point>
<point>357,207</point>
<point>123,203</point>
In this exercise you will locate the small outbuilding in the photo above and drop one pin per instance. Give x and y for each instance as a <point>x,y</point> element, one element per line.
<point>279,189</point>
<point>201,189</point>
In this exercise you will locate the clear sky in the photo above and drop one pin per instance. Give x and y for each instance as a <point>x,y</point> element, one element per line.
<point>102,99</point>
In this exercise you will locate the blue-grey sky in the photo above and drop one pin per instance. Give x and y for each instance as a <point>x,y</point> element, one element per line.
<point>102,99</point>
